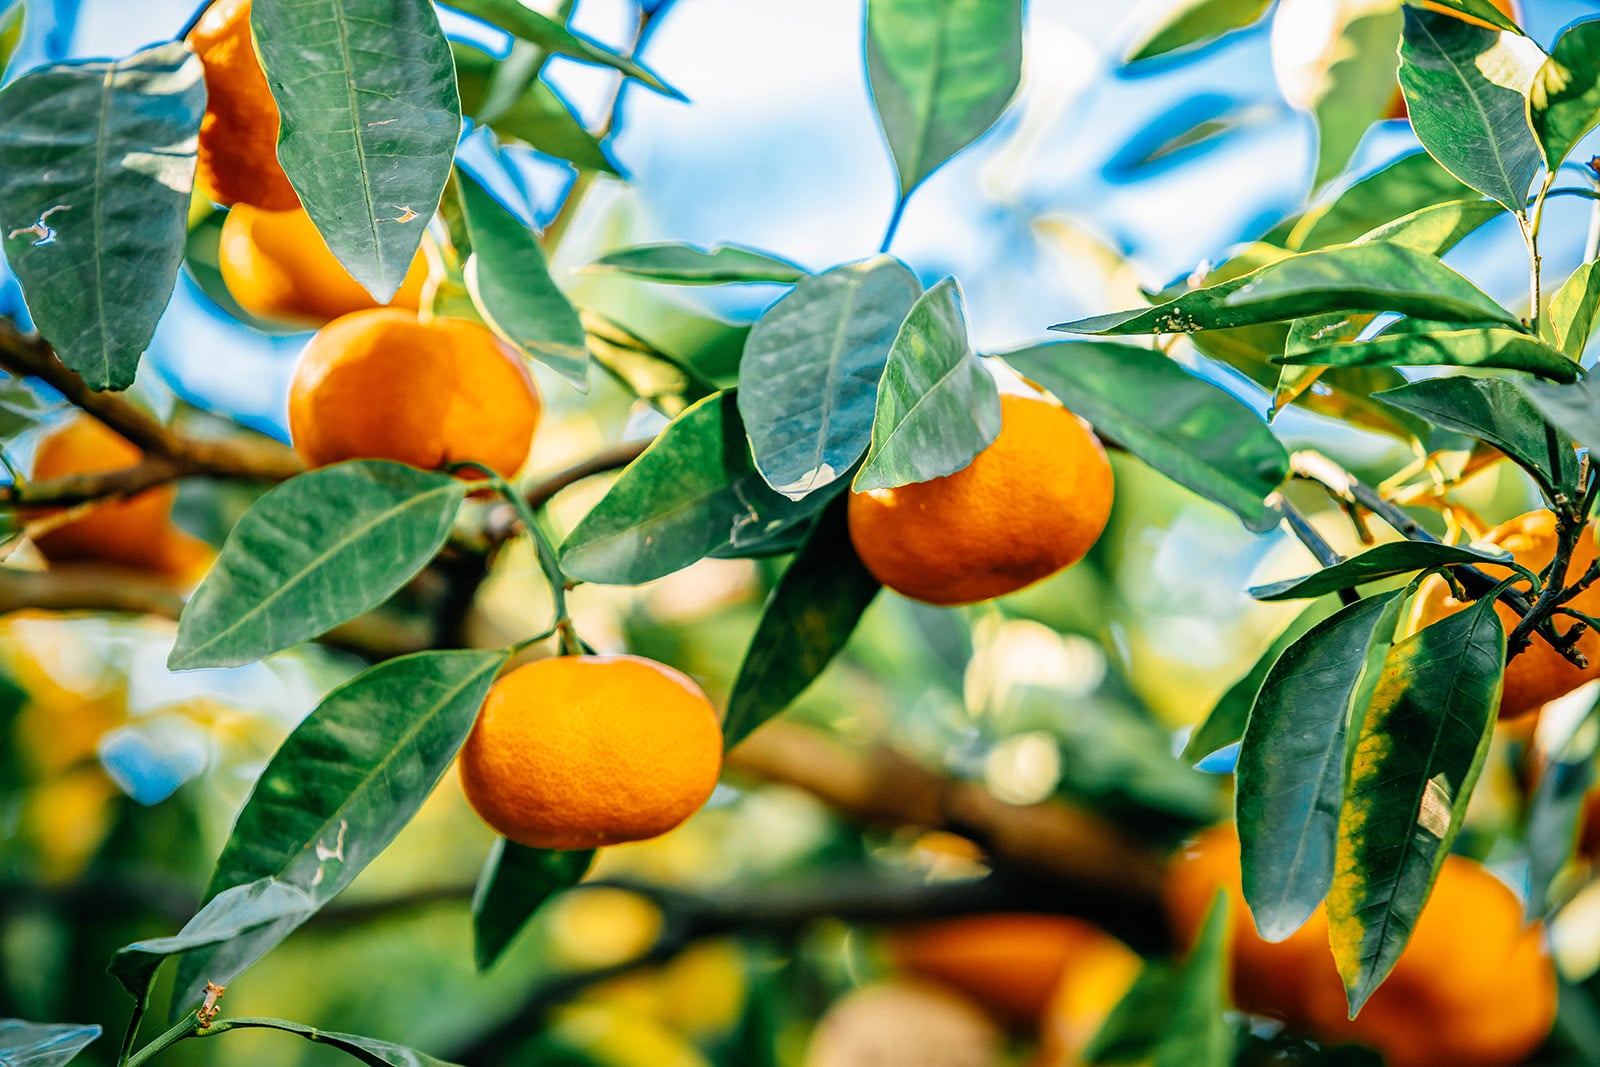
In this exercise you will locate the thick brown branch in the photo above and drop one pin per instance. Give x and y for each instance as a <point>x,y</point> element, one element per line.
<point>89,587</point>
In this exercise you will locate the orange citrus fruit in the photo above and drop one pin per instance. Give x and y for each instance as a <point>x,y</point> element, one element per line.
<point>1030,504</point>
<point>1094,982</point>
<point>239,131</point>
<point>277,266</point>
<point>585,751</point>
<point>382,384</point>
<point>1538,674</point>
<point>1009,963</point>
<point>136,532</point>
<point>1475,986</point>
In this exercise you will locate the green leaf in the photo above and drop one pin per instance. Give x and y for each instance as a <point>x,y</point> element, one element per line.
<point>96,166</point>
<point>807,621</point>
<point>533,114</point>
<point>1365,277</point>
<point>20,409</point>
<point>228,915</point>
<point>11,30</point>
<point>1482,10</point>
<point>1478,347</point>
<point>683,264</point>
<point>1133,1027</point>
<point>1494,411</point>
<point>1375,564</point>
<point>809,377</point>
<point>1290,774</point>
<point>1566,97</point>
<point>25,1044</point>
<point>515,883</point>
<point>693,492</point>
<point>1193,23</point>
<point>941,71</point>
<point>369,1050</point>
<point>1197,1033</point>
<point>529,25</point>
<point>1574,407</point>
<point>311,553</point>
<point>937,405</point>
<point>1574,310</point>
<point>512,289</point>
<point>1405,186</point>
<point>1357,88</point>
<point>339,788</point>
<point>1467,90</point>
<point>369,118</point>
<point>1555,812</point>
<point>1188,429</point>
<point>1437,228</point>
<point>1417,755</point>
<point>1224,725</point>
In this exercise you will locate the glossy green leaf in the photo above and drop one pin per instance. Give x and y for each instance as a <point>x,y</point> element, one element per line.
<point>1224,725</point>
<point>25,1044</point>
<point>1188,429</point>
<point>530,112</point>
<point>96,165</point>
<point>684,264</point>
<point>1417,755</point>
<point>369,119</point>
<point>1482,10</point>
<point>368,1050</point>
<point>524,23</point>
<point>1573,407</point>
<point>807,621</point>
<point>1555,812</point>
<point>1366,277</point>
<point>937,405</point>
<point>1495,411</point>
<point>1566,97</point>
<point>1290,773</point>
<point>1405,186</point>
<point>693,492</point>
<point>1375,564</point>
<point>339,788</point>
<point>941,71</point>
<point>1480,347</point>
<point>1436,229</point>
<point>1192,23</point>
<point>1574,310</point>
<point>1467,90</point>
<point>515,883</point>
<point>808,383</point>
<point>1357,89</point>
<point>1198,1033</point>
<point>1346,393</point>
<point>311,553</point>
<point>512,289</point>
<point>228,915</point>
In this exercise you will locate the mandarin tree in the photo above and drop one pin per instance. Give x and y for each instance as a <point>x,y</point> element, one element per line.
<point>490,569</point>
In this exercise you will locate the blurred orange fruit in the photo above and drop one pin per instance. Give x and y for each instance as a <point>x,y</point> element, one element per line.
<point>239,132</point>
<point>1539,673</point>
<point>381,384</point>
<point>277,266</point>
<point>904,1024</point>
<point>1475,986</point>
<point>1094,982</point>
<point>1030,504</point>
<point>136,532</point>
<point>585,751</point>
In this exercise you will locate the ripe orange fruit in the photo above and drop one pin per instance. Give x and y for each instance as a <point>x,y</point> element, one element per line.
<point>277,266</point>
<point>1030,504</point>
<point>239,131</point>
<point>585,751</point>
<point>1539,673</point>
<point>1008,963</point>
<point>381,384</point>
<point>1095,981</point>
<point>1475,987</point>
<point>136,532</point>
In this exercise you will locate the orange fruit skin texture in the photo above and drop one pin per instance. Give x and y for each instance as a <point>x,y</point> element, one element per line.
<point>1539,673</point>
<point>1030,504</point>
<point>136,532</point>
<point>1475,987</point>
<point>277,266</point>
<point>239,131</point>
<point>1095,981</point>
<point>381,384</point>
<point>586,751</point>
<point>1008,963</point>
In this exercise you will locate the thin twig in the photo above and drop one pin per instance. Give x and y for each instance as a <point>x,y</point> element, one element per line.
<point>1307,534</point>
